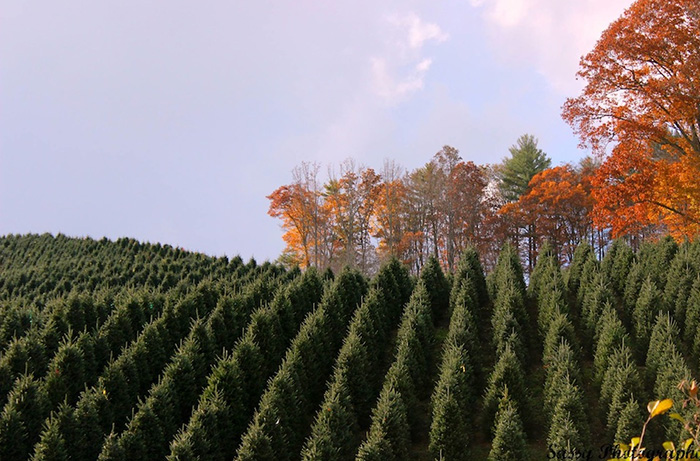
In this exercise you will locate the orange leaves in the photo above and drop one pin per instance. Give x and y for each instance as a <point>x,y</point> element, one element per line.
<point>643,95</point>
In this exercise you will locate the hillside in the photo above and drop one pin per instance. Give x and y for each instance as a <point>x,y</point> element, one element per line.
<point>131,351</point>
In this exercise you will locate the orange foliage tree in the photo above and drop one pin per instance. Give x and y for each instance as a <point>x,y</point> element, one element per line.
<point>558,203</point>
<point>642,96</point>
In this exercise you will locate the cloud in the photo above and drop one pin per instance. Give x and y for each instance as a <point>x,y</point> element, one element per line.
<point>419,31</point>
<point>400,71</point>
<point>551,34</point>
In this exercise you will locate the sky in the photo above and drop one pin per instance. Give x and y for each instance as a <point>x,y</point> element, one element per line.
<point>172,121</point>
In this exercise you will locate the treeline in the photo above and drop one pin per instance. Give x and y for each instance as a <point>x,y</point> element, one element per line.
<point>359,217</point>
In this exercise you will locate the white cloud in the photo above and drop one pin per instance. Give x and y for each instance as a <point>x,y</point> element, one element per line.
<point>419,31</point>
<point>552,34</point>
<point>401,69</point>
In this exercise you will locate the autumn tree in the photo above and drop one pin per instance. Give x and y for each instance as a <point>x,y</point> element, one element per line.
<point>304,218</point>
<point>641,96</point>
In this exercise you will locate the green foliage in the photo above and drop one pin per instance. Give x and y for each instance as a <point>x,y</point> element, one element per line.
<point>509,437</point>
<point>680,278</point>
<point>560,328</point>
<point>437,286</point>
<point>452,426</point>
<point>507,372</point>
<point>22,417</point>
<point>508,272</point>
<point>469,267</point>
<point>645,312</point>
<point>547,263</point>
<point>525,161</point>
<point>610,334</point>
<point>333,434</point>
<point>621,385</point>
<point>662,344</point>
<point>389,435</point>
<point>575,271</point>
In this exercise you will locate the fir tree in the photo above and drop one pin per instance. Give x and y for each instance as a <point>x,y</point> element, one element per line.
<point>663,341</point>
<point>547,263</point>
<point>692,318</point>
<point>389,423</point>
<point>508,373</point>
<point>333,434</point>
<point>609,335</point>
<point>575,272</point>
<point>559,328</point>
<point>645,312</point>
<point>437,286</point>
<point>509,443</point>
<point>22,417</point>
<point>451,428</point>
<point>469,267</point>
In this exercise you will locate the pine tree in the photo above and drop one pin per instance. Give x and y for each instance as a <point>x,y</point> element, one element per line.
<point>692,318</point>
<point>469,267</point>
<point>437,286</point>
<point>333,434</point>
<point>389,423</point>
<point>66,376</point>
<point>210,424</point>
<point>451,428</point>
<point>628,420</point>
<point>645,312</point>
<point>562,366</point>
<point>609,335</point>
<point>680,278</point>
<point>663,341</point>
<point>508,373</point>
<point>560,328</point>
<point>509,442</point>
<point>22,417</point>
<point>626,384</point>
<point>508,271</point>
<point>547,263</point>
<point>575,272</point>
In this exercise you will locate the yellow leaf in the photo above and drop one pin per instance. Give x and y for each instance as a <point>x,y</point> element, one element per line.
<point>659,407</point>
<point>687,444</point>
<point>676,416</point>
<point>669,446</point>
<point>635,441</point>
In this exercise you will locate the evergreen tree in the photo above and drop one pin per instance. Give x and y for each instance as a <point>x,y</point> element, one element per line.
<point>451,428</point>
<point>561,367</point>
<point>560,328</point>
<point>509,437</point>
<point>508,373</point>
<point>66,376</point>
<point>437,286</point>
<point>547,262</point>
<point>526,160</point>
<point>390,424</point>
<point>508,271</point>
<point>680,278</point>
<point>463,330</point>
<point>692,318</point>
<point>625,385</point>
<point>610,334</point>
<point>22,417</point>
<point>598,296</point>
<point>663,341</point>
<point>333,434</point>
<point>209,424</point>
<point>645,313</point>
<point>469,267</point>
<point>575,271</point>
